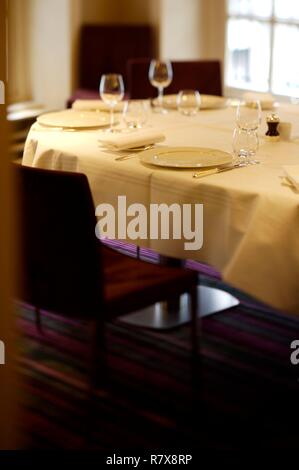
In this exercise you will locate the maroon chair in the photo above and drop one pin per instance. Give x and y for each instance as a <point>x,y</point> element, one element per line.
<point>201,75</point>
<point>106,49</point>
<point>67,271</point>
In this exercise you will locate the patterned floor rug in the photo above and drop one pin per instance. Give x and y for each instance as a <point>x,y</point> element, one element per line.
<point>242,395</point>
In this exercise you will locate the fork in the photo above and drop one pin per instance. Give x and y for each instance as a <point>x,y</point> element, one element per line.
<point>135,154</point>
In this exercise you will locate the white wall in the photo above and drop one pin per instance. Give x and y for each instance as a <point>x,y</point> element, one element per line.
<point>192,29</point>
<point>51,51</point>
<point>180,29</point>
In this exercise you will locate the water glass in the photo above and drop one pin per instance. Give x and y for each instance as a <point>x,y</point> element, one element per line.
<point>188,102</point>
<point>136,113</point>
<point>249,115</point>
<point>245,145</point>
<point>112,91</point>
<point>160,76</point>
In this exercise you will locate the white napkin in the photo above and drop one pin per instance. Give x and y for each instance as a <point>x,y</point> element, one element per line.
<point>134,139</point>
<point>266,99</point>
<point>292,173</point>
<point>96,105</point>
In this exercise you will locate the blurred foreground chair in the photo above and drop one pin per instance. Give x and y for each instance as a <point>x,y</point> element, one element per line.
<point>201,75</point>
<point>106,49</point>
<point>67,271</point>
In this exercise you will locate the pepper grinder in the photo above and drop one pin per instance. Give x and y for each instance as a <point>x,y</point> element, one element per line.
<point>272,134</point>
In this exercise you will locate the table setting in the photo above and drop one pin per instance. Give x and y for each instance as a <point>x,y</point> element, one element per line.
<point>177,149</point>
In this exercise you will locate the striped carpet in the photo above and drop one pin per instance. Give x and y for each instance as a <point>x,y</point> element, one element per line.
<point>244,396</point>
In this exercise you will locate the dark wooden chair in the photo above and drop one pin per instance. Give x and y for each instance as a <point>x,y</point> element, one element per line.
<point>106,49</point>
<point>201,75</point>
<point>68,271</point>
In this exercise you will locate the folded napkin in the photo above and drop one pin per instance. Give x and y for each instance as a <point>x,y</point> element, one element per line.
<point>96,105</point>
<point>292,174</point>
<point>266,99</point>
<point>133,139</point>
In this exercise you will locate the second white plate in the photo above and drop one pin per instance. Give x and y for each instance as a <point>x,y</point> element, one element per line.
<point>74,119</point>
<point>186,157</point>
<point>207,102</point>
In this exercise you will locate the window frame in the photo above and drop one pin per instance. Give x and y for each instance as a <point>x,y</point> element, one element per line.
<point>272,21</point>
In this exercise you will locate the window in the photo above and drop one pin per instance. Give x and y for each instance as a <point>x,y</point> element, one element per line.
<point>261,48</point>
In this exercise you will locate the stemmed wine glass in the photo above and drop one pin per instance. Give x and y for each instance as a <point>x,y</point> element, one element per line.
<point>160,76</point>
<point>112,91</point>
<point>245,137</point>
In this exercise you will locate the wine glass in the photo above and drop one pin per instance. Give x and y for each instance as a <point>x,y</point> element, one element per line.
<point>248,119</point>
<point>249,115</point>
<point>188,102</point>
<point>112,91</point>
<point>245,145</point>
<point>136,113</point>
<point>160,75</point>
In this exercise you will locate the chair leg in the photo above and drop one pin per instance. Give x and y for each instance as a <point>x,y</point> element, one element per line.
<point>195,323</point>
<point>98,355</point>
<point>196,410</point>
<point>38,320</point>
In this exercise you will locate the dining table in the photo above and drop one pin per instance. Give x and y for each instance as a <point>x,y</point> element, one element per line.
<point>250,213</point>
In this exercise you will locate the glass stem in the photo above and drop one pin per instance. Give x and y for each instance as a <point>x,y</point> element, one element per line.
<point>111,118</point>
<point>160,96</point>
<point>248,158</point>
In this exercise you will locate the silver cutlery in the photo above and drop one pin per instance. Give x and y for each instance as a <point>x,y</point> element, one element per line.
<point>286,181</point>
<point>135,154</point>
<point>214,171</point>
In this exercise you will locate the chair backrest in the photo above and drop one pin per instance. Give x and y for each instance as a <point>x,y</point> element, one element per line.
<point>60,258</point>
<point>106,49</point>
<point>201,75</point>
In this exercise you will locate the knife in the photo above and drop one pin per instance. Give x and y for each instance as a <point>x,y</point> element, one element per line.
<point>214,171</point>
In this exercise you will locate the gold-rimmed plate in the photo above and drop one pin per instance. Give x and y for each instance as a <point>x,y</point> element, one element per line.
<point>74,119</point>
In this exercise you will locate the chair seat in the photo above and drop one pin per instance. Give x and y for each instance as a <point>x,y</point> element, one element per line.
<point>202,75</point>
<point>131,284</point>
<point>83,94</point>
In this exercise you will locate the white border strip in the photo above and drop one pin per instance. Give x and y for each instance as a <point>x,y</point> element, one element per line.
<point>2,353</point>
<point>2,92</point>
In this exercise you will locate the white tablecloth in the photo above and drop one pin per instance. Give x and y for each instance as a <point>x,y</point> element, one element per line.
<point>251,216</point>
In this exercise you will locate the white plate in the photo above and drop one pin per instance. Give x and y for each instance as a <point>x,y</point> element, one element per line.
<point>207,102</point>
<point>186,157</point>
<point>265,105</point>
<point>96,105</point>
<point>74,119</point>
